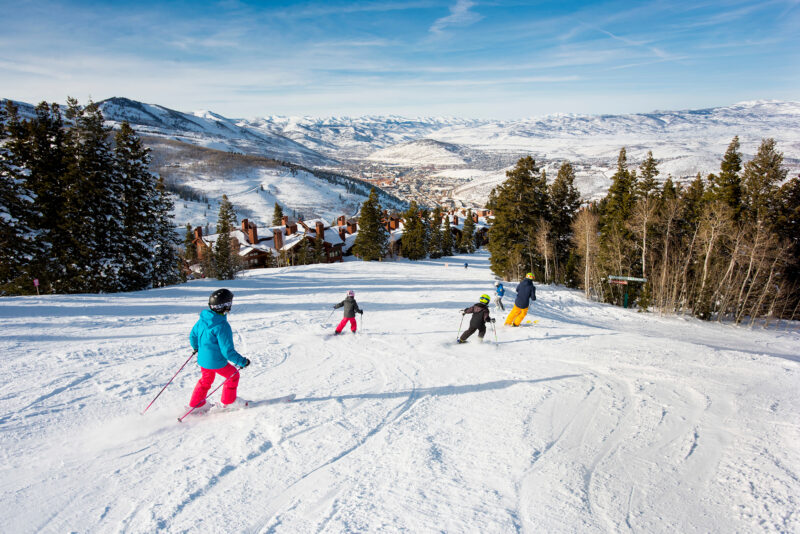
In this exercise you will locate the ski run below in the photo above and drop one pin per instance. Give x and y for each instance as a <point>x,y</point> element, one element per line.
<point>593,419</point>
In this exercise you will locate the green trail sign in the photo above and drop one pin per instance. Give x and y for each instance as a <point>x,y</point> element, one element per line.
<point>628,278</point>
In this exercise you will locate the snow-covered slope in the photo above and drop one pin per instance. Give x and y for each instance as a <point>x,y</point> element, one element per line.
<point>207,129</point>
<point>591,419</point>
<point>422,152</point>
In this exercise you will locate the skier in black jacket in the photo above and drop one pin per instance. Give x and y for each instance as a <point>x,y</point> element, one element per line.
<point>350,310</point>
<point>480,316</point>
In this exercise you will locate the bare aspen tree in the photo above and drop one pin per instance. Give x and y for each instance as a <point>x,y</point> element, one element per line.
<point>585,239</point>
<point>643,217</point>
<point>544,244</point>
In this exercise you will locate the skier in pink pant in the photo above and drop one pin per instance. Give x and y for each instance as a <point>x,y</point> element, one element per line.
<point>212,338</point>
<point>350,310</point>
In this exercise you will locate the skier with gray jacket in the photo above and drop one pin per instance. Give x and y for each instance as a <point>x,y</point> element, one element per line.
<point>350,310</point>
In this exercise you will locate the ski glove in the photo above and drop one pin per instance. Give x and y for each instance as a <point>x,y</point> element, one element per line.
<point>361,312</point>
<point>492,319</point>
<point>246,363</point>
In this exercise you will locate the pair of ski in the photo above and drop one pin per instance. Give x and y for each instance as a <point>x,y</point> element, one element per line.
<point>248,404</point>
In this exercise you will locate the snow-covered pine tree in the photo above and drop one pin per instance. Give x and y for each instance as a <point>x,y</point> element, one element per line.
<point>43,154</point>
<point>17,209</point>
<point>94,219</point>
<point>226,261</point>
<point>140,204</point>
<point>165,260</point>
<point>372,239</point>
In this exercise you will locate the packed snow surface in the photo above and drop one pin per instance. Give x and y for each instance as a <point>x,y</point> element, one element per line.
<point>590,418</point>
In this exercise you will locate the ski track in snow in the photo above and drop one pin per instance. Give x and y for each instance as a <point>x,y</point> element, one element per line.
<point>593,419</point>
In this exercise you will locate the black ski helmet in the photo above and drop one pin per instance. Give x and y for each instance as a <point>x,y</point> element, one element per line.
<point>220,300</point>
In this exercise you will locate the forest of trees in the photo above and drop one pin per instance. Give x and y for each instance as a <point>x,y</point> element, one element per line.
<point>426,234</point>
<point>724,247</point>
<point>79,210</point>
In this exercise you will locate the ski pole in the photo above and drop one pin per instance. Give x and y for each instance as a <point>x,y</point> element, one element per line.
<point>459,326</point>
<point>170,381</point>
<point>362,322</point>
<point>495,332</point>
<point>180,419</point>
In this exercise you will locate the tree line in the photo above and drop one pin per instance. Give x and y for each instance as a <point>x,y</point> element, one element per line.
<point>79,210</point>
<point>725,246</point>
<point>426,234</point>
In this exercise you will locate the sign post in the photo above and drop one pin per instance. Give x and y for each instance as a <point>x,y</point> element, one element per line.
<point>36,285</point>
<point>623,281</point>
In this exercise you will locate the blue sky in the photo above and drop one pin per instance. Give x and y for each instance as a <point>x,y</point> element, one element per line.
<point>467,58</point>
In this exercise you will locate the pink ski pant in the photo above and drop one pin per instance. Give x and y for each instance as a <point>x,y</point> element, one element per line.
<point>207,380</point>
<point>351,320</point>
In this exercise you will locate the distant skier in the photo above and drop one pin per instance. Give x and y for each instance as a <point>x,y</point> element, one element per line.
<point>350,310</point>
<point>499,291</point>
<point>526,293</point>
<point>480,316</point>
<point>212,338</point>
<point>466,265</point>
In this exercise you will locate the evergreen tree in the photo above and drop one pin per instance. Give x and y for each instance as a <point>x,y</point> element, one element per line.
<point>372,240</point>
<point>467,243</point>
<point>277,215</point>
<point>617,207</point>
<point>727,187</point>
<point>435,243</point>
<point>189,248</point>
<point>693,203</point>
<point>517,204</point>
<point>647,185</point>
<point>669,191</point>
<point>447,237</point>
<point>761,179</point>
<point>319,249</point>
<point>414,246</point>
<point>165,264</point>
<point>17,210</point>
<point>94,217</point>
<point>225,259</point>
<point>564,203</point>
<point>139,205</point>
<point>42,151</point>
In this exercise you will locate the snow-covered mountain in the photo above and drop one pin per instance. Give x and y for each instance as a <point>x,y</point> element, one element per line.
<point>208,129</point>
<point>591,419</point>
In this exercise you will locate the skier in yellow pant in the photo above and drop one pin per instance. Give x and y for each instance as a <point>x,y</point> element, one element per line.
<point>525,293</point>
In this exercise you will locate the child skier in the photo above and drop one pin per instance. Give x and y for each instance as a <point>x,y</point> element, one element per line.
<point>526,293</point>
<point>480,316</point>
<point>350,310</point>
<point>212,338</point>
<point>498,296</point>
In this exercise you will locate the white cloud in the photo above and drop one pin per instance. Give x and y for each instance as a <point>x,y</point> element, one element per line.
<point>460,15</point>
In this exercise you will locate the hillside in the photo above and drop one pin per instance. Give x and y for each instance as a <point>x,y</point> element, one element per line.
<point>253,184</point>
<point>591,419</point>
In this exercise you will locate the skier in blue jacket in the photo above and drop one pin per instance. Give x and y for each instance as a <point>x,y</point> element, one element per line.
<point>212,338</point>
<point>498,295</point>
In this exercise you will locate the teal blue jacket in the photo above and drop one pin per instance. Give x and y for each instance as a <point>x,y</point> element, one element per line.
<point>212,338</point>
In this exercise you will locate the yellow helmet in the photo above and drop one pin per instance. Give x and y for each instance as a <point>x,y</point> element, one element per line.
<point>529,276</point>
<point>484,298</point>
